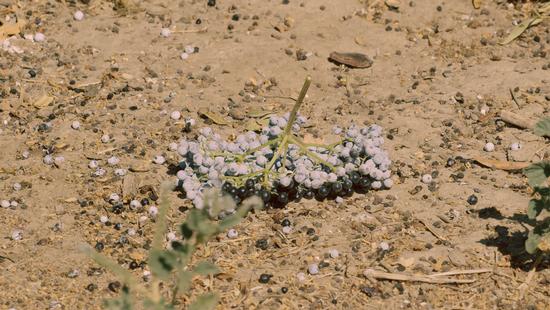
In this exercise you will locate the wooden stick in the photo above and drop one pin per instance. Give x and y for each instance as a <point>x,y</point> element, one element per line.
<point>431,229</point>
<point>517,120</point>
<point>514,97</point>
<point>454,273</point>
<point>414,278</point>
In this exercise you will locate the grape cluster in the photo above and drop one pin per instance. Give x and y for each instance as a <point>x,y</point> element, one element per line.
<point>279,167</point>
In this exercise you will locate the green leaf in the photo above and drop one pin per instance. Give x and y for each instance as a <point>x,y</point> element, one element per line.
<point>205,268</point>
<point>531,244</point>
<point>537,173</point>
<point>235,218</point>
<point>160,305</point>
<point>205,302</point>
<point>535,207</point>
<point>198,221</point>
<point>542,128</point>
<point>539,237</point>
<point>179,247</point>
<point>186,231</point>
<point>184,280</point>
<point>125,276</point>
<point>162,263</point>
<point>121,303</point>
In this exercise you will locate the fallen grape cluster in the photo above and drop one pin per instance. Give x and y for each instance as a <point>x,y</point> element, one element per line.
<point>278,166</point>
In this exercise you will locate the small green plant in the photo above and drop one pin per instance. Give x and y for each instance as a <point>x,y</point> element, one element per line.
<point>539,206</point>
<point>171,266</point>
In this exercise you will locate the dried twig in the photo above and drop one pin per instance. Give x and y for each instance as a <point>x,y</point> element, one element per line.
<point>501,164</point>
<point>431,229</point>
<point>517,120</point>
<point>454,273</point>
<point>514,97</point>
<point>416,278</point>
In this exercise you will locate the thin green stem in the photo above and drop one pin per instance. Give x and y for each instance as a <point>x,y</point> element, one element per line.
<point>297,106</point>
<point>303,149</point>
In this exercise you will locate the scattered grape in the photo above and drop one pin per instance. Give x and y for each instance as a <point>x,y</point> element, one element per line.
<point>313,269</point>
<point>489,147</point>
<point>78,15</point>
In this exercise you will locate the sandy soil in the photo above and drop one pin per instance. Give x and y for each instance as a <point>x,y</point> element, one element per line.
<point>437,84</point>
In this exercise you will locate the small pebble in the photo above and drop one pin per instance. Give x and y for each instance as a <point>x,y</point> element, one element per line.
<point>93,164</point>
<point>334,253</point>
<point>17,235</point>
<point>189,49</point>
<point>75,125</point>
<point>25,154</point>
<point>103,219</point>
<point>14,204</point>
<point>184,56</point>
<point>301,276</point>
<point>176,115</point>
<point>78,15</point>
<point>339,199</point>
<point>143,219</point>
<point>427,179</point>
<point>489,147</point>
<point>5,204</point>
<point>17,186</point>
<point>105,138</point>
<point>515,146</point>
<point>313,269</point>
<point>232,234</point>
<point>384,246</point>
<point>120,172</point>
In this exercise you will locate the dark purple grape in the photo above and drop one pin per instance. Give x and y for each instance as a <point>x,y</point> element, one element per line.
<point>265,195</point>
<point>226,187</point>
<point>355,177</point>
<point>364,183</point>
<point>297,196</point>
<point>323,191</point>
<point>233,192</point>
<point>347,192</point>
<point>308,194</point>
<point>182,165</point>
<point>250,183</point>
<point>336,187</point>
<point>347,183</point>
<point>282,197</point>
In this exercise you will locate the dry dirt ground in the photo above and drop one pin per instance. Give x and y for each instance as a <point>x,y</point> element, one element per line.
<point>437,84</point>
